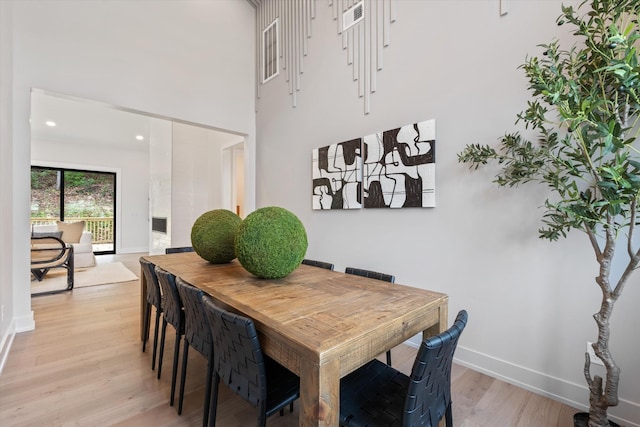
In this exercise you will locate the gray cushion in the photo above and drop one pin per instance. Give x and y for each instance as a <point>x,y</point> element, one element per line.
<point>57,234</point>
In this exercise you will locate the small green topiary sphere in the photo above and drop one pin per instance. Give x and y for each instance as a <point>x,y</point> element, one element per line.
<point>271,242</point>
<point>213,234</point>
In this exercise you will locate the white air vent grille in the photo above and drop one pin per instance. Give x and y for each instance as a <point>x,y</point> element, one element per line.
<point>353,16</point>
<point>270,52</point>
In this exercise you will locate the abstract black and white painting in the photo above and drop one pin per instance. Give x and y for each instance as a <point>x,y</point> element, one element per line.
<point>337,176</point>
<point>399,167</point>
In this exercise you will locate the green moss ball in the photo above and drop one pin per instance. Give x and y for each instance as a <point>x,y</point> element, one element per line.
<point>271,242</point>
<point>213,235</point>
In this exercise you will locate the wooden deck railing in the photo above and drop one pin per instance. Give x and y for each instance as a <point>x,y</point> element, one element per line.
<point>101,228</point>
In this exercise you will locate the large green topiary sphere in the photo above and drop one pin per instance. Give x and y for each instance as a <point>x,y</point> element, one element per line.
<point>213,235</point>
<point>271,242</point>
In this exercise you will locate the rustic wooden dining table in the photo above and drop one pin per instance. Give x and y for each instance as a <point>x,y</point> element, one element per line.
<point>318,323</point>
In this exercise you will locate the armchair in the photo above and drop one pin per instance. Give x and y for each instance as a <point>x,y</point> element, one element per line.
<point>82,247</point>
<point>51,252</point>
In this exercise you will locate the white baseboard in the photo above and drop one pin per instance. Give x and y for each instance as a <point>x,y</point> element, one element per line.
<point>5,345</point>
<point>25,323</point>
<point>133,250</point>
<point>17,325</point>
<point>627,413</point>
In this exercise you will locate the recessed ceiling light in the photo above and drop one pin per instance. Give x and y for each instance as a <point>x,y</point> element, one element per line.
<point>50,123</point>
<point>139,137</point>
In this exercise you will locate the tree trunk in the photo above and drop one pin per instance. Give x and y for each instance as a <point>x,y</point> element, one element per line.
<point>597,405</point>
<point>603,394</point>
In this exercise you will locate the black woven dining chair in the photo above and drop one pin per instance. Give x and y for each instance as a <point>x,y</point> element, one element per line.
<point>173,314</point>
<point>153,298</point>
<point>240,364</point>
<point>177,250</point>
<point>370,274</point>
<point>321,264</point>
<point>377,395</point>
<point>197,334</point>
<point>373,275</point>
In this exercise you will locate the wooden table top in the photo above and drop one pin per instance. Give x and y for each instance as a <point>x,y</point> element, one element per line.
<point>316,311</point>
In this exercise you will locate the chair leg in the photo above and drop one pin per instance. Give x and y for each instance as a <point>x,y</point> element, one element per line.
<point>449,416</point>
<point>70,276</point>
<point>213,403</point>
<point>39,273</point>
<point>161,355</point>
<point>185,356</point>
<point>174,373</point>
<point>207,393</point>
<point>389,357</point>
<point>262,414</point>
<point>155,340</point>
<point>146,321</point>
<point>290,409</point>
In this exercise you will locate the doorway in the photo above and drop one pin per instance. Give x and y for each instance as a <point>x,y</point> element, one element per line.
<point>150,155</point>
<point>71,195</point>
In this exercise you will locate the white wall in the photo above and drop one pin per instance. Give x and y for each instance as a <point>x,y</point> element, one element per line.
<point>164,58</point>
<point>7,323</point>
<point>530,302</point>
<point>132,179</point>
<point>196,179</point>
<point>160,182</point>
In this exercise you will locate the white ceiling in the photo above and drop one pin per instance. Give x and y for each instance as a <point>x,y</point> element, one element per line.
<point>89,122</point>
<point>85,122</point>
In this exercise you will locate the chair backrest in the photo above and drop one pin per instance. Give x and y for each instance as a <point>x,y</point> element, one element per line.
<point>196,325</point>
<point>238,358</point>
<point>370,274</point>
<point>178,250</point>
<point>154,295</point>
<point>48,249</point>
<point>429,390</point>
<point>173,310</point>
<point>321,264</point>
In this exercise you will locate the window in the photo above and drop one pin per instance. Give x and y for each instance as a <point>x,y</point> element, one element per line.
<point>270,52</point>
<point>76,195</point>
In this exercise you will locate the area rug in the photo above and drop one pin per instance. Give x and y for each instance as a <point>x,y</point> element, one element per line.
<point>101,274</point>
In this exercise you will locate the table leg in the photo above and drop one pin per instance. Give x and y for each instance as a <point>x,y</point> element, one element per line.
<point>319,394</point>
<point>441,325</point>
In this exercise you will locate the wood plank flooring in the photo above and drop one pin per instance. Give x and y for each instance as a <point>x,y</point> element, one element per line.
<point>83,366</point>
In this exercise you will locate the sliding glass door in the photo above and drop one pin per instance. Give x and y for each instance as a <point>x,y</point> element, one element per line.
<point>76,195</point>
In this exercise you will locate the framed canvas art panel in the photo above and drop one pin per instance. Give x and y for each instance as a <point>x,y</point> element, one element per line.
<point>399,167</point>
<point>337,176</point>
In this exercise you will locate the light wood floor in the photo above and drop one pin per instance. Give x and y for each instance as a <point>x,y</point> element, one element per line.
<point>83,366</point>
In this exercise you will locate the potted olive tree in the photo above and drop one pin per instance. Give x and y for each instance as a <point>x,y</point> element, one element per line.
<point>585,114</point>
